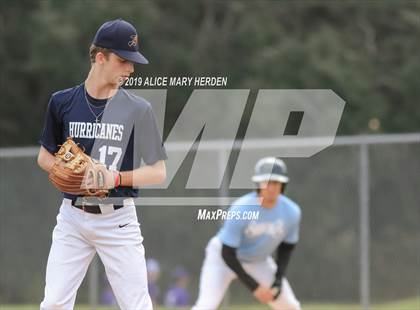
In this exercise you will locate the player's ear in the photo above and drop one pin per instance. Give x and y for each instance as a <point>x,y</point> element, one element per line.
<point>283,187</point>
<point>100,58</point>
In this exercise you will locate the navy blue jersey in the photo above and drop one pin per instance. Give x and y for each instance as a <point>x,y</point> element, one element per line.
<point>119,132</point>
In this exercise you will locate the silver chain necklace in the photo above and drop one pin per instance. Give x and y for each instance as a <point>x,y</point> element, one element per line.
<point>97,116</point>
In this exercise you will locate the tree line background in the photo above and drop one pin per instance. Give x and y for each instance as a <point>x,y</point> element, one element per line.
<point>366,51</point>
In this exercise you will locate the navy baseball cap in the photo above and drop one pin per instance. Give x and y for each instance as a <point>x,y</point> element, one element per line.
<point>121,38</point>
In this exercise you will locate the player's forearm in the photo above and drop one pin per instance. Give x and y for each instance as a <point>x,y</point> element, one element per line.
<point>284,251</point>
<point>45,159</point>
<point>145,175</point>
<point>230,258</point>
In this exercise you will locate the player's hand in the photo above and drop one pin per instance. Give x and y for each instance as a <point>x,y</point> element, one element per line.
<point>276,288</point>
<point>101,178</point>
<point>111,178</point>
<point>263,294</point>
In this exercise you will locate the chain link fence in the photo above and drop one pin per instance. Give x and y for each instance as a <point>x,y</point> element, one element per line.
<point>359,236</point>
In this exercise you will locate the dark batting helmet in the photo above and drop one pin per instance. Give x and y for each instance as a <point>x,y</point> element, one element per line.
<point>270,169</point>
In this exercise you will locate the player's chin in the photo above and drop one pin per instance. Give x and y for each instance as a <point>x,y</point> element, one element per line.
<point>272,200</point>
<point>272,197</point>
<point>121,80</point>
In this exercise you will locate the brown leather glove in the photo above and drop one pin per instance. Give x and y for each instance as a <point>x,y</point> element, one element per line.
<point>75,172</point>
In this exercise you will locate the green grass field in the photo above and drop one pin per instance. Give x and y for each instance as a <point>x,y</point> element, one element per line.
<point>409,304</point>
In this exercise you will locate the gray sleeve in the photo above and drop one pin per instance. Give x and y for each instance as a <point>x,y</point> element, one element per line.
<point>151,147</point>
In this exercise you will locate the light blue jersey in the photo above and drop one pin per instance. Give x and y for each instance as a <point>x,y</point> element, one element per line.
<point>255,240</point>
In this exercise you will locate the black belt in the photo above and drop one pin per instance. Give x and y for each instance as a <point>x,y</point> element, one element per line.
<point>93,209</point>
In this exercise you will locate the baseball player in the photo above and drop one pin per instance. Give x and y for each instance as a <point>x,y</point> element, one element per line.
<point>112,229</point>
<point>242,248</point>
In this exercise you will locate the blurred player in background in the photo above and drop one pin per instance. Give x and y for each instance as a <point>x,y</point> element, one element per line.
<point>153,275</point>
<point>242,248</point>
<point>178,294</point>
<point>107,296</point>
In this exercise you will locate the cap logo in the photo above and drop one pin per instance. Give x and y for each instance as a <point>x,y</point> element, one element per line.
<point>133,41</point>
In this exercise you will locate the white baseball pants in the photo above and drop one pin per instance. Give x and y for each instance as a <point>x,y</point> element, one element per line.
<point>216,277</point>
<point>77,237</point>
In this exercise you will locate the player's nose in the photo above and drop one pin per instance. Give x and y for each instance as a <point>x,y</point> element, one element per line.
<point>130,67</point>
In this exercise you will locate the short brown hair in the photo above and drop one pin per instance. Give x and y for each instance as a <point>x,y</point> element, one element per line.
<point>93,50</point>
